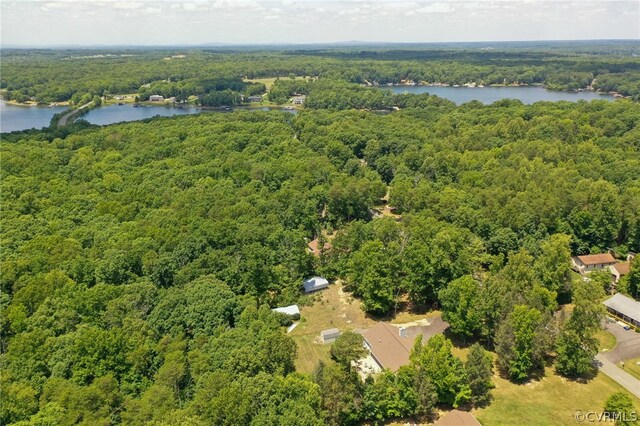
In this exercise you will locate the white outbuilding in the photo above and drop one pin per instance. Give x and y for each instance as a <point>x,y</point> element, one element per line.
<point>314,284</point>
<point>291,310</point>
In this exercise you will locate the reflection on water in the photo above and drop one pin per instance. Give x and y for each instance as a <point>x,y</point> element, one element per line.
<point>489,95</point>
<point>18,117</point>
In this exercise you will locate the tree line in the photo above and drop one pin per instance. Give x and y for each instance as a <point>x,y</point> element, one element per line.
<point>62,75</point>
<point>140,260</point>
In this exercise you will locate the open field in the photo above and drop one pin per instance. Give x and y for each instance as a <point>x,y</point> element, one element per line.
<point>553,400</point>
<point>333,309</point>
<point>270,80</point>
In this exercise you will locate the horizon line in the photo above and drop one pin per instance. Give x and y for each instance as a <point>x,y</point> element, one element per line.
<point>319,43</point>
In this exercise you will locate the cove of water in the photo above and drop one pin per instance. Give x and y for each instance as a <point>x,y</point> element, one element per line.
<point>18,117</point>
<point>118,113</point>
<point>489,95</point>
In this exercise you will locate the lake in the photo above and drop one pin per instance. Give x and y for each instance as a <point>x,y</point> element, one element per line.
<point>117,113</point>
<point>489,95</point>
<point>23,117</point>
<point>17,117</point>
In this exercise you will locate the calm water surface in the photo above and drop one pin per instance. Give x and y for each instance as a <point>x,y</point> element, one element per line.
<point>489,95</point>
<point>117,113</point>
<point>21,118</point>
<point>16,117</point>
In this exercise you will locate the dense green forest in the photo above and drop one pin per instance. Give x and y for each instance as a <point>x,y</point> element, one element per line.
<point>62,75</point>
<point>140,261</point>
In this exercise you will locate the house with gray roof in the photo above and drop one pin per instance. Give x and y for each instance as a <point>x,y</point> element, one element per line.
<point>625,308</point>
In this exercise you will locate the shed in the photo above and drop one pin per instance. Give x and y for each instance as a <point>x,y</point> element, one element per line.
<point>314,284</point>
<point>156,98</point>
<point>329,335</point>
<point>624,307</point>
<point>291,310</point>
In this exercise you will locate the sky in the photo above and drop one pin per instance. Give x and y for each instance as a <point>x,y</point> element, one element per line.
<point>193,22</point>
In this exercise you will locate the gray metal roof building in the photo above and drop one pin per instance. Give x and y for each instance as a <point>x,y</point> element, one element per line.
<point>329,335</point>
<point>314,284</point>
<point>624,307</point>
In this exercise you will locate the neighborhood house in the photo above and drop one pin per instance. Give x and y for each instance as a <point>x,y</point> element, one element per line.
<point>389,346</point>
<point>315,249</point>
<point>457,418</point>
<point>156,98</point>
<point>255,98</point>
<point>625,308</point>
<point>592,262</point>
<point>619,270</point>
<point>298,100</point>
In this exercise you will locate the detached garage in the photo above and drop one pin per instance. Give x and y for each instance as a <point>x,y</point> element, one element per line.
<point>625,308</point>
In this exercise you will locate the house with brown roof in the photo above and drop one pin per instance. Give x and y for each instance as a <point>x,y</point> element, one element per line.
<point>315,249</point>
<point>619,270</point>
<point>592,262</point>
<point>457,418</point>
<point>389,346</point>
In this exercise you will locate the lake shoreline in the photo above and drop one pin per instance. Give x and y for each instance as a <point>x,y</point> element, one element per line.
<point>475,86</point>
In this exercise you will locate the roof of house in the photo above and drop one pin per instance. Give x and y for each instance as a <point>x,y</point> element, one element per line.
<point>387,346</point>
<point>624,305</point>
<point>313,246</point>
<point>330,332</point>
<point>594,259</point>
<point>289,310</point>
<point>458,418</point>
<point>315,283</point>
<point>623,268</point>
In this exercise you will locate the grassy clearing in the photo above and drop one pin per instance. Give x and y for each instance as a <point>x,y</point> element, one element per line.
<point>553,400</point>
<point>607,341</point>
<point>632,367</point>
<point>270,80</point>
<point>332,309</point>
<point>128,98</point>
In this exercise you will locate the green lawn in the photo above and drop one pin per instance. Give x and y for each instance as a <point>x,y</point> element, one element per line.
<point>332,309</point>
<point>553,400</point>
<point>631,366</point>
<point>607,341</point>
